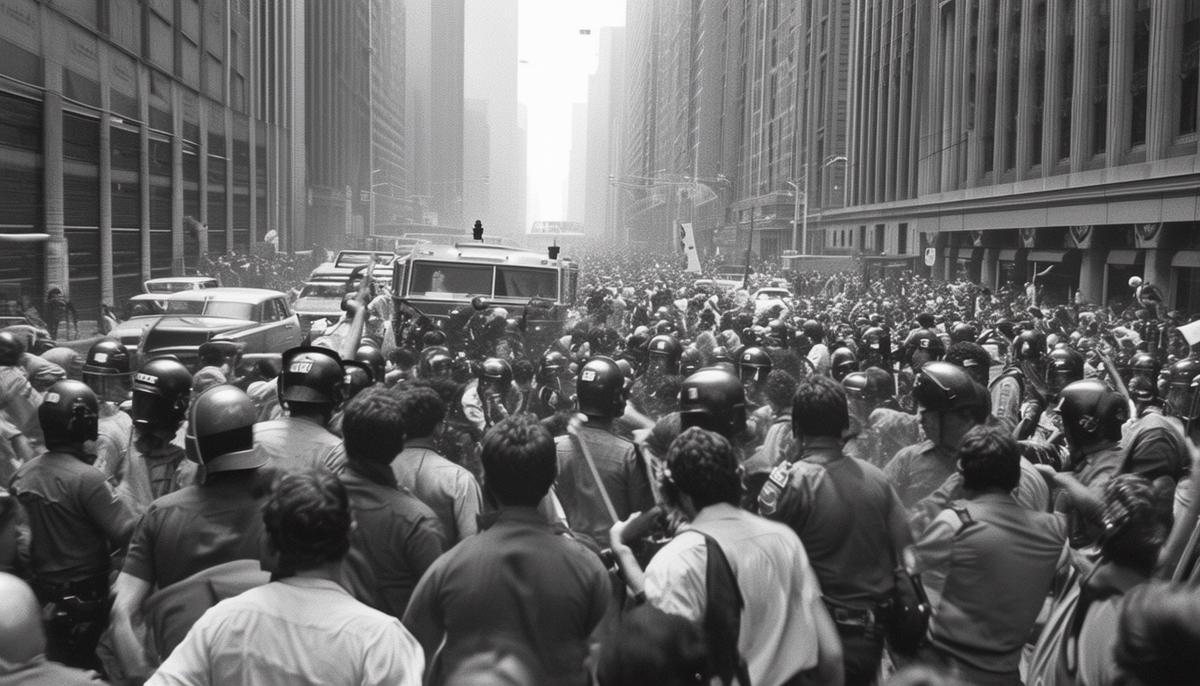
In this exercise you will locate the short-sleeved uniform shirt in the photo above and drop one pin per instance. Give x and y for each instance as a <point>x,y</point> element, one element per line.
<point>295,445</point>
<point>199,527</point>
<point>621,469</point>
<point>447,488</point>
<point>75,518</point>
<point>918,470</point>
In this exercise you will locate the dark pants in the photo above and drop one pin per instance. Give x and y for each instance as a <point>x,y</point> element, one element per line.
<point>76,614</point>
<point>861,653</point>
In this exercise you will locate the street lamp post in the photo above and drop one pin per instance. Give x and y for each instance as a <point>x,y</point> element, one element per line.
<point>799,196</point>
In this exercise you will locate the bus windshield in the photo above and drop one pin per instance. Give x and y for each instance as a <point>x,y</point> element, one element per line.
<point>443,279</point>
<point>514,282</point>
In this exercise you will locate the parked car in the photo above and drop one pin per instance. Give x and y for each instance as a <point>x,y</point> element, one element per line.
<point>175,284</point>
<point>319,300</point>
<point>260,320</point>
<point>141,311</point>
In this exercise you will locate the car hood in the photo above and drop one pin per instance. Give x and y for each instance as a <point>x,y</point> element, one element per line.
<point>317,306</point>
<point>210,324</point>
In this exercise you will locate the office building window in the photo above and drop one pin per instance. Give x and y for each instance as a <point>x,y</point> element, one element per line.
<point>1066,78</point>
<point>1100,77</point>
<point>1139,86</point>
<point>1189,69</point>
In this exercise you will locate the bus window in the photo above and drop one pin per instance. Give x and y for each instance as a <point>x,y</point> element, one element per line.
<point>570,285</point>
<point>514,282</point>
<point>441,278</point>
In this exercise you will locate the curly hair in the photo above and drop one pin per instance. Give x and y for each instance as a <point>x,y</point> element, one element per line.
<point>653,648</point>
<point>520,461</point>
<point>1135,523</point>
<point>422,409</point>
<point>780,388</point>
<point>703,464</point>
<point>971,357</point>
<point>308,520</point>
<point>373,426</point>
<point>819,407</point>
<point>990,458</point>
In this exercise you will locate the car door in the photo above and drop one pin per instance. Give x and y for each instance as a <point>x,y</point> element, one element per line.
<point>286,332</point>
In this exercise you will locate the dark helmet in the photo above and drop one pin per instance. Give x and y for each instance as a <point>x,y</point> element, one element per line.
<point>69,413</point>
<point>1144,364</point>
<point>372,357</point>
<point>1142,389</point>
<point>495,375</point>
<point>1090,411</point>
<point>1063,366</point>
<point>552,365</point>
<point>161,390</point>
<point>855,384</point>
<point>813,331</point>
<point>926,341</point>
<point>781,333</point>
<point>1180,398</point>
<point>877,338</point>
<point>690,361</point>
<point>435,361</point>
<point>600,388</point>
<point>358,377</point>
<point>11,349</point>
<point>106,370</point>
<point>311,375</point>
<point>963,332</point>
<point>945,387</point>
<point>220,431</point>
<point>665,351</point>
<point>1087,344</point>
<point>219,348</point>
<point>1029,345</point>
<point>842,362</point>
<point>713,399</point>
<point>754,364</point>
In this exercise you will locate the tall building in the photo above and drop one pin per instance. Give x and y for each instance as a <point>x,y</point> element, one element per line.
<point>389,166</point>
<point>446,64</point>
<point>605,104</point>
<point>490,74</point>
<point>476,153</point>
<point>576,181</point>
<point>135,136</point>
<point>1010,137</point>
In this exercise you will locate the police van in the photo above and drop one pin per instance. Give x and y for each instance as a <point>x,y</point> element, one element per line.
<point>438,280</point>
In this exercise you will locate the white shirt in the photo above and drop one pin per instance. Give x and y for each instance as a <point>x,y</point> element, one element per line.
<point>294,632</point>
<point>778,636</point>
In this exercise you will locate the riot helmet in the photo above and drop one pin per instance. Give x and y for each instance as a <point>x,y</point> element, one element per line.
<point>11,349</point>
<point>1143,364</point>
<point>1091,412</point>
<point>690,361</point>
<point>372,357</point>
<point>713,399</point>
<point>601,388</point>
<point>1063,366</point>
<point>876,338</point>
<point>944,387</point>
<point>436,362</point>
<point>1030,345</point>
<point>754,364</point>
<point>781,333</point>
<point>1142,390</point>
<point>106,370</point>
<point>551,367</point>
<point>358,377</point>
<point>842,362</point>
<point>495,376</point>
<point>161,390</point>
<point>69,414</point>
<point>220,431</point>
<point>922,346</point>
<point>311,375</point>
<point>664,353</point>
<point>813,331</point>
<point>1181,395</point>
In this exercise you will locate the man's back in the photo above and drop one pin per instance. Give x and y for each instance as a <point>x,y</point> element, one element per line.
<point>621,470</point>
<point>918,470</point>
<point>296,444</point>
<point>293,632</point>
<point>516,580</point>
<point>448,489</point>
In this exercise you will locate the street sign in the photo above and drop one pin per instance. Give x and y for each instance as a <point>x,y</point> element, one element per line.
<point>930,256</point>
<point>364,196</point>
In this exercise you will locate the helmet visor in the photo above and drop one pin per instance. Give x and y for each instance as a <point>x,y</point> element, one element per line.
<point>113,388</point>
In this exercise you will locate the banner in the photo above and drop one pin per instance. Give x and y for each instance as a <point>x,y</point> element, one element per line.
<point>1191,332</point>
<point>688,238</point>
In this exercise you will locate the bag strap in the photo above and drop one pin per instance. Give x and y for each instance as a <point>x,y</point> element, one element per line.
<point>587,457</point>
<point>723,615</point>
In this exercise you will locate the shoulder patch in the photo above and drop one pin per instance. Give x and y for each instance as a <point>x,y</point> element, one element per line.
<point>779,475</point>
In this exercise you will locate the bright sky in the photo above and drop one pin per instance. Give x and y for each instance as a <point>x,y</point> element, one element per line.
<point>555,63</point>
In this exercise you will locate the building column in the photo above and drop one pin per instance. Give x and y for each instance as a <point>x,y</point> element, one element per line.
<point>1025,92</point>
<point>1158,271</point>
<point>228,189</point>
<point>177,254</point>
<point>1052,91</point>
<point>57,254</point>
<point>106,234</point>
<point>1081,88</point>
<point>1004,108</point>
<point>144,169</point>
<point>1120,76</point>
<point>202,180</point>
<point>1091,274</point>
<point>252,137</point>
<point>989,269</point>
<point>983,94</point>
<point>1162,115</point>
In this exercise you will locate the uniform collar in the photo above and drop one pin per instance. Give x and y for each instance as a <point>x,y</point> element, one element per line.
<point>374,472</point>
<point>521,515</point>
<point>422,443</point>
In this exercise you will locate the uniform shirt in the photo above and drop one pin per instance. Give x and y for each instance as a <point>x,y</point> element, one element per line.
<point>75,518</point>
<point>199,527</point>
<point>987,579</point>
<point>145,478</point>
<point>42,373</point>
<point>621,470</point>
<point>517,580</point>
<point>19,402</point>
<point>115,436</point>
<point>1093,468</point>
<point>846,514</point>
<point>896,430</point>
<point>294,632</point>
<point>397,538</point>
<point>1154,446</point>
<point>918,470</point>
<point>778,636</point>
<point>1031,492</point>
<point>296,444</point>
<point>42,672</point>
<point>448,489</point>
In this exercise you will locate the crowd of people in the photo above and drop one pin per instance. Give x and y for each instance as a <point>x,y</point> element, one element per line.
<point>899,481</point>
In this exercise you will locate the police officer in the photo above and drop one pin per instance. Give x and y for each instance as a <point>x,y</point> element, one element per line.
<point>311,388</point>
<point>601,475</point>
<point>548,397</point>
<point>949,404</point>
<point>223,510</point>
<point>106,371</point>
<point>75,522</point>
<point>921,346</point>
<point>18,399</point>
<point>157,466</point>
<point>714,400</point>
<point>490,397</point>
<point>663,355</point>
<point>818,354</point>
<point>1019,391</point>
<point>1092,416</point>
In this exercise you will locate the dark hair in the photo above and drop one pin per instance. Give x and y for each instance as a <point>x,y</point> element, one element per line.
<point>653,648</point>
<point>703,465</point>
<point>1135,524</point>
<point>522,371</point>
<point>402,357</point>
<point>266,368</point>
<point>665,431</point>
<point>989,458</point>
<point>780,388</point>
<point>520,461</point>
<point>971,357</point>
<point>1158,635</point>
<point>819,407</point>
<point>308,520</point>
<point>422,409</point>
<point>373,426</point>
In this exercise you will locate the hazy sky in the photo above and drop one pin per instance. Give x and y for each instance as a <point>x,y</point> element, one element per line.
<point>555,63</point>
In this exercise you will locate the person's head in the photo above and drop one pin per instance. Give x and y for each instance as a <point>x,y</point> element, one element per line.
<point>702,469</point>
<point>373,426</point>
<point>713,399</point>
<point>69,415</point>
<point>653,648</point>
<point>21,636</point>
<point>70,360</point>
<point>11,349</point>
<point>1135,523</point>
<point>311,383</point>
<point>819,408</point>
<point>972,357</point>
<point>519,461</point>
<point>601,389</point>
<point>1091,413</point>
<point>949,401</point>
<point>220,431</point>
<point>308,521</point>
<point>1158,636</point>
<point>422,410</point>
<point>107,370</point>
<point>779,389</point>
<point>989,460</point>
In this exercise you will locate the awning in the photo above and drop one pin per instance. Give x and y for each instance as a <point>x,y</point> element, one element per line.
<point>1127,257</point>
<point>1046,255</point>
<point>1186,258</point>
<point>1008,254</point>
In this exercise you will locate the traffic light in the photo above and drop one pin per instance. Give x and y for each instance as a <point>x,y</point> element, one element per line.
<point>477,231</point>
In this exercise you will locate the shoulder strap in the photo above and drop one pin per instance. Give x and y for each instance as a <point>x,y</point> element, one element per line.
<point>964,516</point>
<point>723,615</point>
<point>587,457</point>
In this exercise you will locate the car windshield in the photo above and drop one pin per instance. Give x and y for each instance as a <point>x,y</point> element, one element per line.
<point>323,290</point>
<point>353,259</point>
<point>212,308</point>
